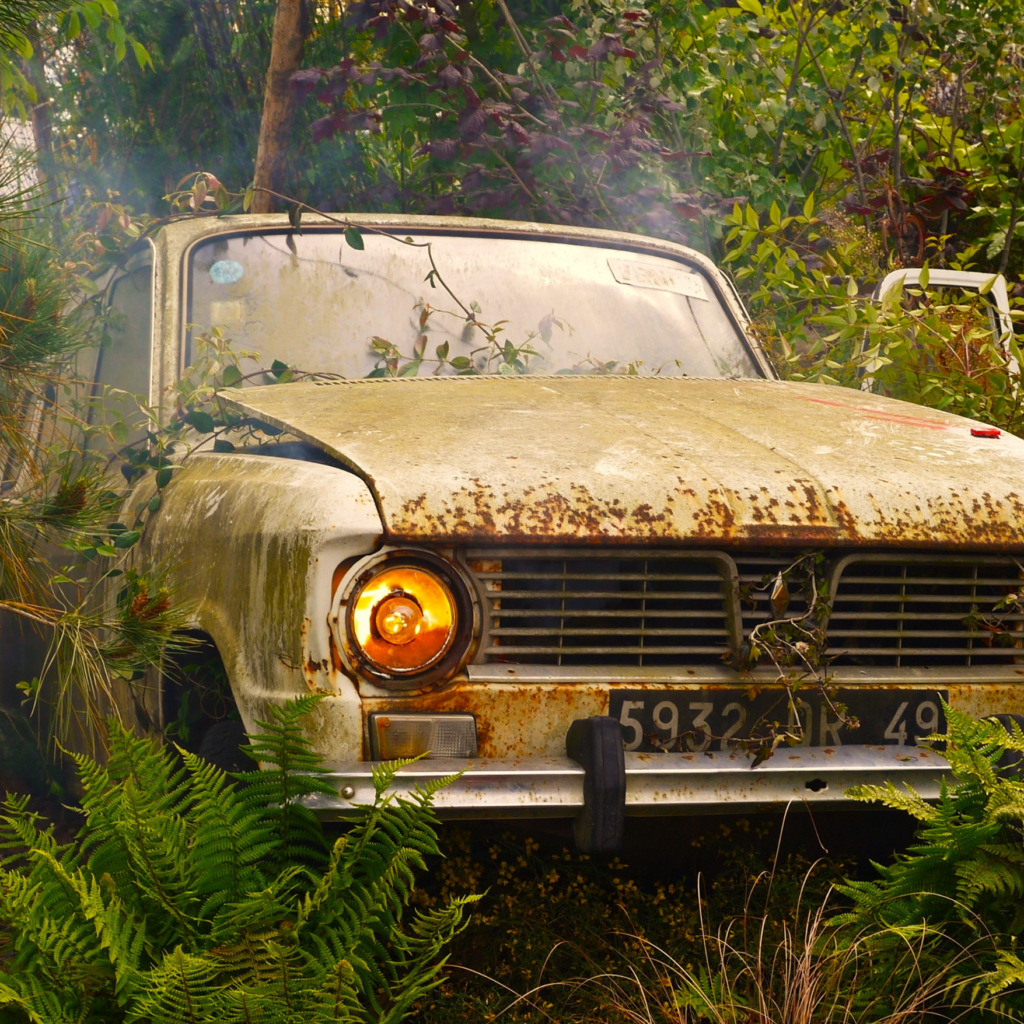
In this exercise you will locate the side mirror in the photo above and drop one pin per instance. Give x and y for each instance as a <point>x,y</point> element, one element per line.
<point>967,281</point>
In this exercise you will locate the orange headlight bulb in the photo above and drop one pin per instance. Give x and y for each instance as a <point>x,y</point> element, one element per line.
<point>398,619</point>
<point>403,619</point>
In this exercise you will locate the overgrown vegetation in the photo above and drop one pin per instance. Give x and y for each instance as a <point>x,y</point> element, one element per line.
<point>807,147</point>
<point>188,896</point>
<point>759,937</point>
<point>960,885</point>
<point>57,511</point>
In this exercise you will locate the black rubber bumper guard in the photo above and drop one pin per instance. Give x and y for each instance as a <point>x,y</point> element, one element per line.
<point>595,744</point>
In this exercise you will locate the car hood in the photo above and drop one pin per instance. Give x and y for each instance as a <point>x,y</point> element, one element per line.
<point>675,460</point>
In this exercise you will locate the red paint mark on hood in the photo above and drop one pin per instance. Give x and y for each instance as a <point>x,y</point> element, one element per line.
<point>874,414</point>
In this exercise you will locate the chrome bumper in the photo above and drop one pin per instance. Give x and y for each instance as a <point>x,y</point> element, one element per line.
<point>656,784</point>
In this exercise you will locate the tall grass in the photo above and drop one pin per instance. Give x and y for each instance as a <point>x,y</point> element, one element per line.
<point>805,973</point>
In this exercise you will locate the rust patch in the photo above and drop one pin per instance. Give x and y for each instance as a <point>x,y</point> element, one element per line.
<point>658,460</point>
<point>512,720</point>
<point>531,719</point>
<point>336,662</point>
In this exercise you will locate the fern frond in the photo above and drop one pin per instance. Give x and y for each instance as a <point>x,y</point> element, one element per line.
<point>296,772</point>
<point>181,989</point>
<point>118,932</point>
<point>893,798</point>
<point>229,840</point>
<point>185,899</point>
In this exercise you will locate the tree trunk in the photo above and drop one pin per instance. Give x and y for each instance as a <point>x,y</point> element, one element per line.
<point>291,23</point>
<point>41,120</point>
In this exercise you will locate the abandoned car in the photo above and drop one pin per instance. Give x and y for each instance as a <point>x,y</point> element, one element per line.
<point>612,585</point>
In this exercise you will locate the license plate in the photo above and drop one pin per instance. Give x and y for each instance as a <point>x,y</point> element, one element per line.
<point>707,720</point>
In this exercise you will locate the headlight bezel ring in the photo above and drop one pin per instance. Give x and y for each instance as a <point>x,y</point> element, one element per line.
<point>460,646</point>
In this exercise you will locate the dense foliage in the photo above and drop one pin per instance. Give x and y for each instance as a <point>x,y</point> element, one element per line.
<point>656,117</point>
<point>188,896</point>
<point>56,508</point>
<point>960,885</point>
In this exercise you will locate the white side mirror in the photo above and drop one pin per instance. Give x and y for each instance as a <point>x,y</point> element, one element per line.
<point>966,280</point>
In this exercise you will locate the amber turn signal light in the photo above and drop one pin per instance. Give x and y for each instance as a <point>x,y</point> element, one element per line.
<point>403,619</point>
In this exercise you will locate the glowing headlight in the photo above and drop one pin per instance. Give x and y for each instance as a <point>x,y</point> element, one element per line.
<point>403,619</point>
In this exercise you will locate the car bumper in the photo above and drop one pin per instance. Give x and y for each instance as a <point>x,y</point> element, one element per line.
<point>656,784</point>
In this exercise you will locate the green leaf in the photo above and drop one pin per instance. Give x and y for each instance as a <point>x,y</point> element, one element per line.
<point>277,367</point>
<point>751,6</point>
<point>223,447</point>
<point>809,206</point>
<point>460,363</point>
<point>442,351</point>
<point>202,421</point>
<point>127,539</point>
<point>988,285</point>
<point>231,377</point>
<point>163,476</point>
<point>354,237</point>
<point>925,277</point>
<point>154,503</point>
<point>142,56</point>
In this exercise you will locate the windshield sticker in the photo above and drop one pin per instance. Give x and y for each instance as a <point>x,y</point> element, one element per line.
<point>225,311</point>
<point>226,272</point>
<point>660,276</point>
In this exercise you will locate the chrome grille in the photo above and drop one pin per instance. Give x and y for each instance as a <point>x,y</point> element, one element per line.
<point>924,611</point>
<point>660,608</point>
<point>679,608</point>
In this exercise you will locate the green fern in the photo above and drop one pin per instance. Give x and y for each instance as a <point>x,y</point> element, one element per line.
<point>188,898</point>
<point>960,885</point>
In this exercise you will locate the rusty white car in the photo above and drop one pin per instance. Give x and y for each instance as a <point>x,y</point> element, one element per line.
<point>558,582</point>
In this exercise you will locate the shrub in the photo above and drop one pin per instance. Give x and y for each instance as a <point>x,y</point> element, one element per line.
<point>561,936</point>
<point>958,891</point>
<point>189,896</point>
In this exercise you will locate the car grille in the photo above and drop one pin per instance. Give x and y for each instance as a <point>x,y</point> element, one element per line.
<point>679,608</point>
<point>924,612</point>
<point>554,609</point>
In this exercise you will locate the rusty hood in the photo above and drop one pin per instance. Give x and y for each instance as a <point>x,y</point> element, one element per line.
<point>675,460</point>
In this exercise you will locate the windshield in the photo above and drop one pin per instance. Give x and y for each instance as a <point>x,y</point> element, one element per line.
<point>508,305</point>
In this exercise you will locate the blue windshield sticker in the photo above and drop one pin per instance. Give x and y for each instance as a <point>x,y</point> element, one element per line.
<point>226,272</point>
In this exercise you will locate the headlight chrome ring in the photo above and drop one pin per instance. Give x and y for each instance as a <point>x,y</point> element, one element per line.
<point>409,619</point>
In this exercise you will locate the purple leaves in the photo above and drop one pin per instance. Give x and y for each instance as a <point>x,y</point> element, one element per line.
<point>349,121</point>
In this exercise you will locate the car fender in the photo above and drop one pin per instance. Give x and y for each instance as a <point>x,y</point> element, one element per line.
<point>249,546</point>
